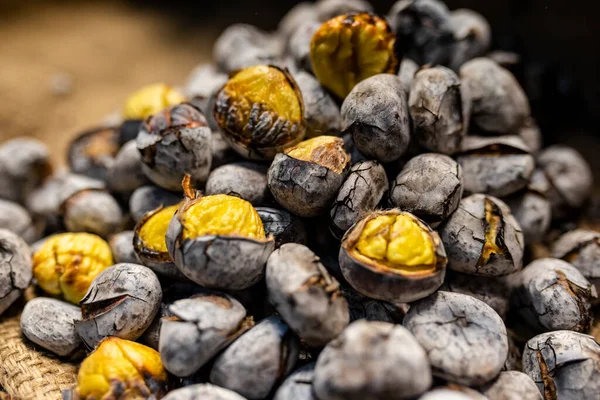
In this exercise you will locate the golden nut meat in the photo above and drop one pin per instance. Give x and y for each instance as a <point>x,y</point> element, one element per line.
<point>67,263</point>
<point>260,111</point>
<point>350,48</point>
<point>151,99</point>
<point>149,241</point>
<point>393,256</point>
<point>121,369</point>
<point>219,242</point>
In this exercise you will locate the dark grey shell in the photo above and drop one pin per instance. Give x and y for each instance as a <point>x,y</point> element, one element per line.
<point>570,176</point>
<point>283,226</point>
<point>439,107</point>
<point>360,193</point>
<point>429,186</point>
<point>446,393</point>
<point>564,364</point>
<point>553,295</point>
<point>24,164</point>
<point>304,188</point>
<point>464,338</point>
<point>298,386</point>
<point>532,209</point>
<point>581,248</point>
<point>363,307</point>
<point>512,385</point>
<point>94,211</point>
<point>298,49</point>
<point>219,262</point>
<point>125,173</point>
<point>493,291</point>
<point>205,324</point>
<point>321,112</point>
<point>376,113</point>
<point>246,180</point>
<point>305,295</point>
<point>121,245</point>
<point>202,391</point>
<point>327,9</point>
<point>486,171</point>
<point>499,103</point>
<point>363,362</point>
<point>386,284</point>
<point>15,268</point>
<point>148,198</point>
<point>472,36</point>
<point>242,45</point>
<point>186,150</point>
<point>463,236</point>
<point>121,301</point>
<point>296,16</point>
<point>50,323</point>
<point>260,358</point>
<point>16,219</point>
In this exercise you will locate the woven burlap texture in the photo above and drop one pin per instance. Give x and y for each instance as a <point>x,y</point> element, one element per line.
<point>27,372</point>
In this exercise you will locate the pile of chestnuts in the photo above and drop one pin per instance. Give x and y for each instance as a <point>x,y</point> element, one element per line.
<point>350,207</point>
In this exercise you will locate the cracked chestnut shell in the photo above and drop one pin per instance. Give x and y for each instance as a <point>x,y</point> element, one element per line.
<point>393,256</point>
<point>258,360</point>
<point>93,152</point>
<point>50,323</point>
<point>465,340</point>
<point>219,242</point>
<point>198,328</point>
<point>498,166</point>
<point>581,248</point>
<point>305,295</point>
<point>499,103</point>
<point>350,48</point>
<point>121,369</point>
<point>363,363</point>
<point>260,111</point>
<point>376,114</point>
<point>423,31</point>
<point>440,109</point>
<point>483,238</point>
<point>121,301</point>
<point>360,193</point>
<point>15,268</point>
<point>285,227</point>
<point>305,178</point>
<point>67,263</point>
<point>174,142</point>
<point>563,365</point>
<point>429,186</point>
<point>551,295</point>
<point>150,244</point>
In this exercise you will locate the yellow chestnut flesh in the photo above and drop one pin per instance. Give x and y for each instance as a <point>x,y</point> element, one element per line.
<point>397,242</point>
<point>221,215</point>
<point>262,106</point>
<point>493,225</point>
<point>151,99</point>
<point>121,369</point>
<point>327,151</point>
<point>67,263</point>
<point>154,229</point>
<point>350,48</point>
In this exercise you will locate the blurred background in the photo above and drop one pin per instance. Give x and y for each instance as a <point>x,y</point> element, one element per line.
<point>64,65</point>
